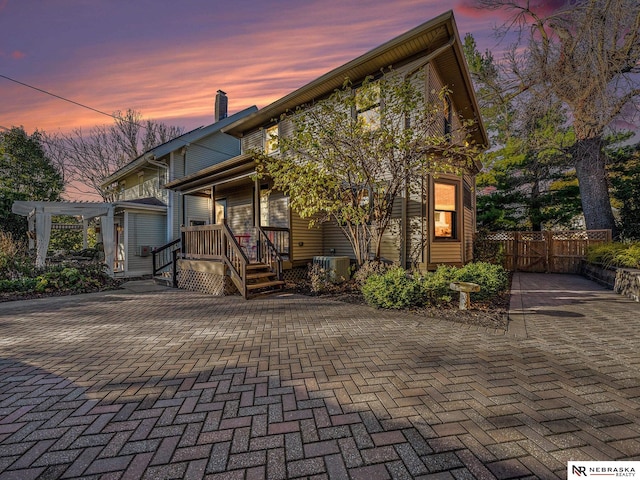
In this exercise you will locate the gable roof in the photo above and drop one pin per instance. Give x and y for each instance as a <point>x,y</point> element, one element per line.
<point>437,37</point>
<point>177,143</point>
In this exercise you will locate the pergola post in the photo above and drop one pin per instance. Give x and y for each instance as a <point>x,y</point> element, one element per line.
<point>107,225</point>
<point>43,235</point>
<point>85,227</point>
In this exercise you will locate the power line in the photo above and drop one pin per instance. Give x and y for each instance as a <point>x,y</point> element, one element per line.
<point>62,98</point>
<point>59,97</point>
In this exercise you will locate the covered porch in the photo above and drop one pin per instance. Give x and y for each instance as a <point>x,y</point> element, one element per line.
<point>244,236</point>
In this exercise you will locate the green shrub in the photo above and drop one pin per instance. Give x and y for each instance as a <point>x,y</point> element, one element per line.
<point>615,254</point>
<point>436,284</point>
<point>397,289</point>
<point>493,279</point>
<point>19,285</point>
<point>393,289</point>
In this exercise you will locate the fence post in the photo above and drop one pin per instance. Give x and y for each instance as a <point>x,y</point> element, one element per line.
<point>516,249</point>
<point>548,242</point>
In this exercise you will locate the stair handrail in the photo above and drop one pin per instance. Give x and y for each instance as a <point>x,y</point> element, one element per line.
<point>274,258</point>
<point>237,260</point>
<point>156,252</point>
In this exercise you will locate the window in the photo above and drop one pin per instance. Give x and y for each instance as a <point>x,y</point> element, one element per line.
<point>140,184</point>
<point>447,111</point>
<point>444,215</point>
<point>264,205</point>
<point>271,139</point>
<point>220,211</point>
<point>368,106</point>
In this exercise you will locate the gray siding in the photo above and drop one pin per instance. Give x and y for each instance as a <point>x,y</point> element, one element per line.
<point>196,208</point>
<point>278,215</point>
<point>144,229</point>
<point>211,150</point>
<point>240,210</point>
<point>253,141</point>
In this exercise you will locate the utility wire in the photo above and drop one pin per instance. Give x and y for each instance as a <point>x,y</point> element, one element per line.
<point>61,98</point>
<point>116,117</point>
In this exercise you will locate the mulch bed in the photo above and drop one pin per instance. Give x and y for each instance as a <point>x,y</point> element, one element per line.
<point>492,315</point>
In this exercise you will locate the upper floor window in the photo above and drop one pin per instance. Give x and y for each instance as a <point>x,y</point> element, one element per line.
<point>271,139</point>
<point>447,111</point>
<point>367,105</point>
<point>445,197</point>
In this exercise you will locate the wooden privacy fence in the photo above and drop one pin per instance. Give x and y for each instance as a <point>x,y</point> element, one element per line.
<point>554,252</point>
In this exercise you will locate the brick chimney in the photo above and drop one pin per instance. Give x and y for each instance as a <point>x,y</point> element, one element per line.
<point>220,108</point>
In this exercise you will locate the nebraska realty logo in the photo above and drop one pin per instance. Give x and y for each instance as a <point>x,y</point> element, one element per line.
<point>603,470</point>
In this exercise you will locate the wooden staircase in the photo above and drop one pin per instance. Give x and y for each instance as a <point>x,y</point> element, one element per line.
<point>260,278</point>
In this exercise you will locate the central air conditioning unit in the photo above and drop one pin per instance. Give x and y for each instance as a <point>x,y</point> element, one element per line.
<point>337,268</point>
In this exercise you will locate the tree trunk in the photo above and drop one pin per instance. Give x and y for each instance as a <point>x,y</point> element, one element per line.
<point>590,163</point>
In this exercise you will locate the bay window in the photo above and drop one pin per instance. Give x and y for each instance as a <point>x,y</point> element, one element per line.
<point>445,197</point>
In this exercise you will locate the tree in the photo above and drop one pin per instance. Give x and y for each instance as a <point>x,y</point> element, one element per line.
<point>584,54</point>
<point>624,165</point>
<point>90,158</point>
<point>26,173</point>
<point>527,182</point>
<point>351,156</point>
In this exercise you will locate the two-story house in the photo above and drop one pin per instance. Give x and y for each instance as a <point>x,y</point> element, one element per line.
<point>261,237</point>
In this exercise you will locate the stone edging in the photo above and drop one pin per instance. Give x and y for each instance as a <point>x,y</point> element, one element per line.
<point>628,283</point>
<point>625,281</point>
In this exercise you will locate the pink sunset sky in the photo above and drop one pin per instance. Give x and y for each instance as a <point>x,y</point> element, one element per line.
<point>167,58</point>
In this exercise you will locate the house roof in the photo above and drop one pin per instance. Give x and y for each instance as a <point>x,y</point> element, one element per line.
<point>438,37</point>
<point>176,143</point>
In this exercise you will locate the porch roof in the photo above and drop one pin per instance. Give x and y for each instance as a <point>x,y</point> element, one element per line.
<point>437,40</point>
<point>230,169</point>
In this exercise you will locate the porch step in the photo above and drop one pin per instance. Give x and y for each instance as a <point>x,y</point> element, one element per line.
<point>257,266</point>
<point>272,283</point>
<point>259,275</point>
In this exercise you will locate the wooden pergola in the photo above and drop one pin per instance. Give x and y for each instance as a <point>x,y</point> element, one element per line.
<point>39,217</point>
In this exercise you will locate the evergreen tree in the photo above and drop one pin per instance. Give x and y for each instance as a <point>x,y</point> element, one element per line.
<point>26,173</point>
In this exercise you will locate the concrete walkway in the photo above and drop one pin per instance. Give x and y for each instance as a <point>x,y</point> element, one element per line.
<point>159,383</point>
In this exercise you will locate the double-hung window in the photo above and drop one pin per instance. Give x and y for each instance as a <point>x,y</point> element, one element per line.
<point>448,116</point>
<point>367,108</point>
<point>271,139</point>
<point>445,210</point>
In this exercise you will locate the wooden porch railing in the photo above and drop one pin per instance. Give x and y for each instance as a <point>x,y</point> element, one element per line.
<point>280,238</point>
<point>217,242</point>
<point>236,249</point>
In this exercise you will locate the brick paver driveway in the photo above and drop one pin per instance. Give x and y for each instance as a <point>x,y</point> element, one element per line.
<point>173,384</point>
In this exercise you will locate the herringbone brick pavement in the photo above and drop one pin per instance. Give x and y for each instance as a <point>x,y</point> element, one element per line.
<point>183,385</point>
